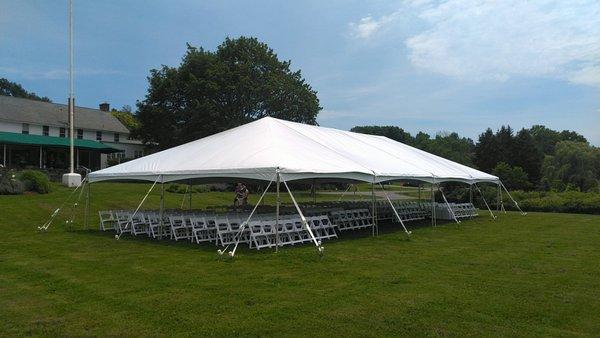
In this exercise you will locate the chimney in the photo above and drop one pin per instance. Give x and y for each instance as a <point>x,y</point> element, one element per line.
<point>105,106</point>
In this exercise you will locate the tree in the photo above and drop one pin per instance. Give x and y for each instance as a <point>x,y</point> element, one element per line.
<point>574,163</point>
<point>527,155</point>
<point>392,132</point>
<point>505,144</point>
<point>486,151</point>
<point>453,147</point>
<point>514,178</point>
<point>8,88</point>
<point>127,118</point>
<point>243,80</point>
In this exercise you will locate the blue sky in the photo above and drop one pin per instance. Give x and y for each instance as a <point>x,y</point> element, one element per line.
<point>422,65</point>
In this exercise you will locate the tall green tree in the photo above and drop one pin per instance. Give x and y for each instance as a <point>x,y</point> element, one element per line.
<point>486,151</point>
<point>574,163</point>
<point>527,155</point>
<point>243,80</point>
<point>8,88</point>
<point>505,144</point>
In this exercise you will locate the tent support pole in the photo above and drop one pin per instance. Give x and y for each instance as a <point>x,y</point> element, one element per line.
<point>433,219</point>
<point>419,193</point>
<point>190,196</point>
<point>448,205</point>
<point>245,224</point>
<point>514,201</point>
<point>277,204</point>
<point>498,199</point>
<point>471,193</point>
<point>304,222</point>
<point>162,208</point>
<point>344,193</point>
<point>375,226</point>
<point>4,156</point>
<point>395,212</point>
<point>484,201</point>
<point>139,205</point>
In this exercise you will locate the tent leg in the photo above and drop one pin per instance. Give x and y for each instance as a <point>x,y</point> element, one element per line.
<point>514,201</point>
<point>161,224</point>
<point>395,212</point>
<point>277,204</point>
<point>484,201</point>
<point>344,193</point>
<point>245,224</point>
<point>304,222</point>
<point>433,219</point>
<point>190,196</point>
<point>140,205</point>
<point>448,205</point>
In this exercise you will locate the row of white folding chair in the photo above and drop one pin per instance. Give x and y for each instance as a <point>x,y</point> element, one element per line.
<point>409,211</point>
<point>107,220</point>
<point>352,219</point>
<point>464,210</point>
<point>266,232</point>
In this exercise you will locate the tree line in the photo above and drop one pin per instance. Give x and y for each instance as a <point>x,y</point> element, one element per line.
<point>533,158</point>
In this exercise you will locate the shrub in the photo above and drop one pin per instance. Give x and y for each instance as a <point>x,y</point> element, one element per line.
<point>34,180</point>
<point>10,185</point>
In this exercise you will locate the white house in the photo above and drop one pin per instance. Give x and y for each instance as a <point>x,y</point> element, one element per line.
<point>35,134</point>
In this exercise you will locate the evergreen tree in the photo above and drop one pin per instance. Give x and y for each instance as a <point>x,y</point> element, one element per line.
<point>486,151</point>
<point>527,155</point>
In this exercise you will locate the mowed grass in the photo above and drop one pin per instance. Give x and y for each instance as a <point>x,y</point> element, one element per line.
<point>524,276</point>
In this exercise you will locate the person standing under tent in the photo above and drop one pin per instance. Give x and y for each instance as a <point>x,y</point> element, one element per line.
<point>241,195</point>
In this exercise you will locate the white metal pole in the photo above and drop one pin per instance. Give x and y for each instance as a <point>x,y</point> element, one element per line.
<point>4,156</point>
<point>162,207</point>
<point>277,203</point>
<point>374,207</point>
<point>87,206</point>
<point>40,157</point>
<point>71,93</point>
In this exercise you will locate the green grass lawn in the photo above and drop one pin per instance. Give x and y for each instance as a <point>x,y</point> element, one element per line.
<point>531,275</point>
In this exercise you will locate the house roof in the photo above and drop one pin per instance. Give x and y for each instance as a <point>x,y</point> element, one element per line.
<point>19,110</point>
<point>52,141</point>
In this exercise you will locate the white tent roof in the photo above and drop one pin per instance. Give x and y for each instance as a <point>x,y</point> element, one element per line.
<point>258,149</point>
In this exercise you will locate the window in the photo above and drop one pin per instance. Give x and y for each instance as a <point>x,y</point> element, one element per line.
<point>45,130</point>
<point>80,134</point>
<point>25,129</point>
<point>62,132</point>
<point>117,137</point>
<point>98,136</point>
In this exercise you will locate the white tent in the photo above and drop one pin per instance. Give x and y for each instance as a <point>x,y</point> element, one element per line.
<point>260,149</point>
<point>278,151</point>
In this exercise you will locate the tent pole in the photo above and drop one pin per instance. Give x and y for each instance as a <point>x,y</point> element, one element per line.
<point>40,157</point>
<point>277,204</point>
<point>498,199</point>
<point>419,192</point>
<point>448,205</point>
<point>190,196</point>
<point>304,222</point>
<point>344,193</point>
<point>471,193</point>
<point>4,156</point>
<point>514,201</point>
<point>374,208</point>
<point>139,206</point>
<point>245,224</point>
<point>162,208</point>
<point>395,211</point>
<point>484,201</point>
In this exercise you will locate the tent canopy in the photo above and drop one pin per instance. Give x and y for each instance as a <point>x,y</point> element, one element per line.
<point>260,149</point>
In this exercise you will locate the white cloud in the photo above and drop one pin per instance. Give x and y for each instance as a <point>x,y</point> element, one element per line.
<point>497,40</point>
<point>366,27</point>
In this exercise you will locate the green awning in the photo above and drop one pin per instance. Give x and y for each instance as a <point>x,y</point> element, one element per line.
<point>52,141</point>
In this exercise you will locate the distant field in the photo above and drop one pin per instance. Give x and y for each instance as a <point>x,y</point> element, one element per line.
<point>516,276</point>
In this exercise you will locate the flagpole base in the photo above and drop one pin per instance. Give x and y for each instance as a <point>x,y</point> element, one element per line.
<point>71,180</point>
